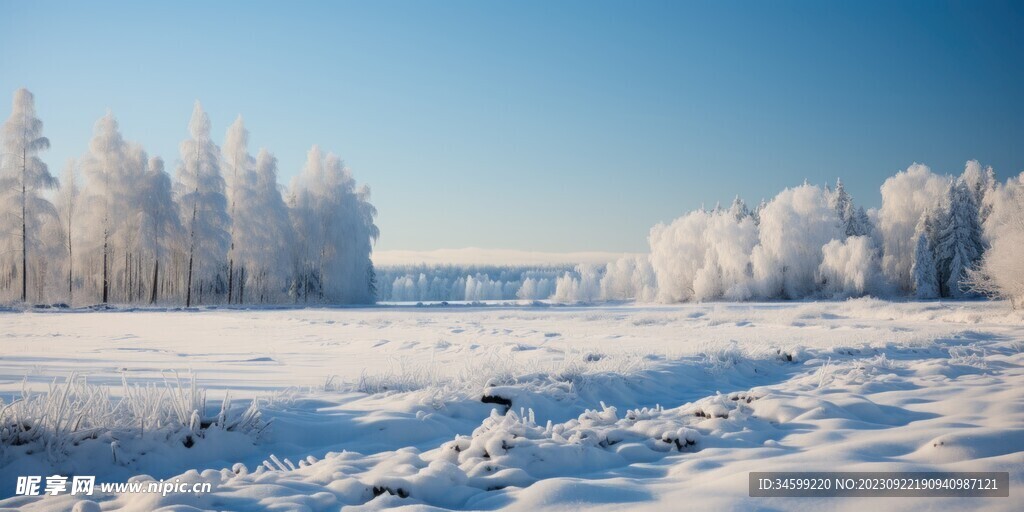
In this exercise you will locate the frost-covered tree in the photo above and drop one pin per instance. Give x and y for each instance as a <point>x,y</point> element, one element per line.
<point>859,224</point>
<point>582,285</point>
<point>240,180</point>
<point>756,214</point>
<point>1001,273</point>
<point>161,226</point>
<point>261,234</point>
<point>629,277</point>
<point>849,268</point>
<point>130,240</point>
<point>905,197</point>
<point>854,220</point>
<point>129,222</point>
<point>67,209</point>
<point>109,200</point>
<point>23,176</point>
<point>840,201</point>
<point>199,189</point>
<point>960,243</point>
<point>703,256</point>
<point>980,182</point>
<point>265,235</point>
<point>335,231</point>
<point>739,209</point>
<point>794,227</point>
<point>926,281</point>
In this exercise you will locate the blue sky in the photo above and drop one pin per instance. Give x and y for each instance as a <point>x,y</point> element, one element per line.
<point>542,126</point>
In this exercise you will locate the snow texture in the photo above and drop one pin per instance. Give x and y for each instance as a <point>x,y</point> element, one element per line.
<point>531,408</point>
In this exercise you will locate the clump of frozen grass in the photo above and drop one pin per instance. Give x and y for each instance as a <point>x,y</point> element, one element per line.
<point>399,375</point>
<point>1017,346</point>
<point>717,358</point>
<point>825,373</point>
<point>74,411</point>
<point>965,356</point>
<point>576,369</point>
<point>858,372</point>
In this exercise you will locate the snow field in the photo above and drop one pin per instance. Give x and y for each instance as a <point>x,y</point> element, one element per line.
<point>650,406</point>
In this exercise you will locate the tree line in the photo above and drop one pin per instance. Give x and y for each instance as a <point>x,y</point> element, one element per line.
<point>935,236</point>
<point>116,228</point>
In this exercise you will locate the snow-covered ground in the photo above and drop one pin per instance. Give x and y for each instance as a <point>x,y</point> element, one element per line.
<point>650,406</point>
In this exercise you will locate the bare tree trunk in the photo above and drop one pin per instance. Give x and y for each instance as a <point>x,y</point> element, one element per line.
<point>188,285</point>
<point>156,272</point>
<point>24,229</point>
<point>106,280</point>
<point>191,256</point>
<point>71,263</point>
<point>231,276</point>
<point>241,286</point>
<point>126,284</point>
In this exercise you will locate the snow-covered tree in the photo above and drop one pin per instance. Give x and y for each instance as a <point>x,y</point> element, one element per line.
<point>756,213</point>
<point>199,189</point>
<point>703,256</point>
<point>960,244</point>
<point>739,209</point>
<point>793,229</point>
<point>108,200</point>
<point>130,240</point>
<point>980,182</point>
<point>841,202</point>
<point>926,281</point>
<point>854,220</point>
<point>849,268</point>
<point>629,277</point>
<point>162,233</point>
<point>67,209</point>
<point>584,286</point>
<point>240,179</point>
<point>23,176</point>
<point>334,225</point>
<point>1001,273</point>
<point>265,235</point>
<point>905,197</point>
<point>859,224</point>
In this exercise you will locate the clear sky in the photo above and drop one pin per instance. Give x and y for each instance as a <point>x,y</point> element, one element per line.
<point>542,126</point>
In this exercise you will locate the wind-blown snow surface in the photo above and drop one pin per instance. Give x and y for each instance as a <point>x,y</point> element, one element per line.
<point>381,407</point>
